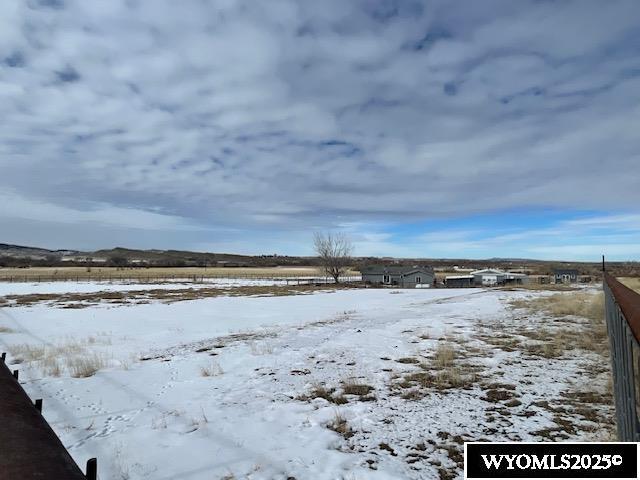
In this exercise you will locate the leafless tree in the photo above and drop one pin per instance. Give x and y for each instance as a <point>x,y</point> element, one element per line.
<point>334,251</point>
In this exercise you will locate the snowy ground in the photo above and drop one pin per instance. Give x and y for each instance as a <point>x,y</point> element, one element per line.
<point>25,288</point>
<point>347,384</point>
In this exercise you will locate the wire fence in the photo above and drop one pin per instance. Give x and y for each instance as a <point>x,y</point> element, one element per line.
<point>622,312</point>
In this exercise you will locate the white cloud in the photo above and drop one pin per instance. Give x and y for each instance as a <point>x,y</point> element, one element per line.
<point>293,114</point>
<point>97,214</point>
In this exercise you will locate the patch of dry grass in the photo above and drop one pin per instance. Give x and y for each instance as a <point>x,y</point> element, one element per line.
<point>81,300</point>
<point>452,377</point>
<point>328,394</point>
<point>580,304</point>
<point>350,387</point>
<point>444,379</point>
<point>50,366</point>
<point>86,365</point>
<point>69,355</point>
<point>550,349</point>
<point>27,352</point>
<point>632,282</point>
<point>156,273</point>
<point>408,360</point>
<point>553,287</point>
<point>340,425</point>
<point>263,348</point>
<point>444,356</point>
<point>211,370</point>
<point>4,329</point>
<point>442,372</point>
<point>553,342</point>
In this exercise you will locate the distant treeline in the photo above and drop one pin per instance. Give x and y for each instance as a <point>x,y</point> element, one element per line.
<point>170,262</point>
<point>175,259</point>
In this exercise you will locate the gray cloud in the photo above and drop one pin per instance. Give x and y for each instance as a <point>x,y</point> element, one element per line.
<point>289,115</point>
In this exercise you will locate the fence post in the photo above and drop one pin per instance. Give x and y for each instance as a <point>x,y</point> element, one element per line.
<point>15,374</point>
<point>4,356</point>
<point>92,469</point>
<point>38,405</point>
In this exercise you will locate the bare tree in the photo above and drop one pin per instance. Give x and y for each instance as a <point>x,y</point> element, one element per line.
<point>334,251</point>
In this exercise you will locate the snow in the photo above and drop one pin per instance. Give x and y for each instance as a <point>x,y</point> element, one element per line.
<point>7,288</point>
<point>160,418</point>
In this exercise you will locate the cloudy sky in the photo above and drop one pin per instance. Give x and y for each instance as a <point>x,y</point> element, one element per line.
<point>421,128</point>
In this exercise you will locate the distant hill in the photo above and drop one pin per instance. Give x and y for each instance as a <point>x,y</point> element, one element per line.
<point>23,256</point>
<point>19,251</point>
<point>18,255</point>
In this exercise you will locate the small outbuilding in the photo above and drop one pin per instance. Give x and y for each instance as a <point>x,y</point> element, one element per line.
<point>515,278</point>
<point>459,281</point>
<point>565,275</point>
<point>488,277</point>
<point>407,276</point>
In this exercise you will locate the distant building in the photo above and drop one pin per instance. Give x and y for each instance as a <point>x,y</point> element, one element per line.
<point>459,281</point>
<point>565,275</point>
<point>511,278</point>
<point>398,275</point>
<point>457,268</point>
<point>540,279</point>
<point>83,259</point>
<point>490,277</point>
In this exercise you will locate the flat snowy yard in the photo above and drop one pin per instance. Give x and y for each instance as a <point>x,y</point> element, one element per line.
<point>325,384</point>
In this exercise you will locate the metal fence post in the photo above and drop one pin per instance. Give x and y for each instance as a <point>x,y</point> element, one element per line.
<point>92,469</point>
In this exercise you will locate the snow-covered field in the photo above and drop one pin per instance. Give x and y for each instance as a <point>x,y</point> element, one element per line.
<point>26,288</point>
<point>346,384</point>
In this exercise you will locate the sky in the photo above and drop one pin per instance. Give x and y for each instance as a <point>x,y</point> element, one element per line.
<point>448,129</point>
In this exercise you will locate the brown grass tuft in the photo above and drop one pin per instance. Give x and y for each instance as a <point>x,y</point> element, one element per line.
<point>339,425</point>
<point>444,356</point>
<point>211,370</point>
<point>352,388</point>
<point>408,360</point>
<point>320,391</point>
<point>86,366</point>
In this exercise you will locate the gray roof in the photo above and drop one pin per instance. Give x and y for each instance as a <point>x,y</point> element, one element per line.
<point>488,271</point>
<point>394,269</point>
<point>566,271</point>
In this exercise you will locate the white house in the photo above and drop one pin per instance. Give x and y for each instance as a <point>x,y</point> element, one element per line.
<point>490,277</point>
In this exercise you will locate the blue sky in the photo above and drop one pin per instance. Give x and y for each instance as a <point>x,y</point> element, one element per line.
<point>420,128</point>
